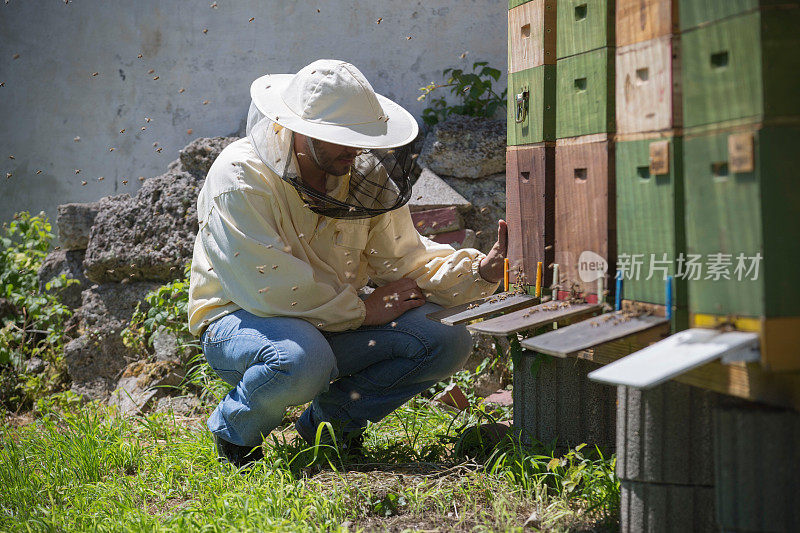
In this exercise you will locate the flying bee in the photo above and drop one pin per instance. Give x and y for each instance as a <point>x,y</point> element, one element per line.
<point>122,130</point>
<point>139,56</point>
<point>205,102</point>
<point>151,71</point>
<point>262,291</point>
<point>379,20</point>
<point>155,78</point>
<point>251,19</point>
<point>181,90</point>
<point>205,31</point>
<point>124,182</point>
<point>95,74</point>
<point>83,183</point>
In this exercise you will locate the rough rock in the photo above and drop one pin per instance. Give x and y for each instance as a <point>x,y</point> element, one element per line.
<point>148,237</point>
<point>488,198</point>
<point>34,365</point>
<point>70,263</point>
<point>466,147</point>
<point>111,306</point>
<point>431,192</point>
<point>179,405</point>
<point>142,383</point>
<point>96,359</point>
<point>74,223</point>
<point>197,157</point>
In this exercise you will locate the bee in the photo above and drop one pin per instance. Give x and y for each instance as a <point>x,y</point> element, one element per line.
<point>379,20</point>
<point>15,56</point>
<point>320,325</point>
<point>548,247</point>
<point>210,269</point>
<point>294,303</point>
<point>181,90</point>
<point>301,235</point>
<point>144,128</point>
<point>95,74</point>
<point>139,56</point>
<point>101,178</point>
<point>8,175</point>
<point>251,19</point>
<point>141,178</point>
<point>189,131</point>
<point>262,291</point>
<point>236,254</point>
<point>317,10</point>
<point>393,324</point>
<point>38,171</point>
<point>110,149</point>
<point>213,6</point>
<point>159,150</point>
<point>269,246</point>
<point>397,237</point>
<point>205,102</point>
<point>77,171</point>
<point>2,84</point>
<point>124,182</point>
<point>371,342</point>
<point>147,119</point>
<point>155,78</point>
<point>205,30</point>
<point>77,139</point>
<point>122,130</point>
<point>151,71</point>
<point>408,38</point>
<point>484,209</point>
<point>274,267</point>
<point>83,183</point>
<point>286,249</point>
<point>463,55</point>
<point>11,157</point>
<point>294,288</point>
<point>267,87</point>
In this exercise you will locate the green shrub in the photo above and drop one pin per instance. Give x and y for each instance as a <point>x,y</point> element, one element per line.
<point>473,90</point>
<point>34,323</point>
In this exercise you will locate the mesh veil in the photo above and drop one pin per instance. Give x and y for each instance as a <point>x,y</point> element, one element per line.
<point>379,179</point>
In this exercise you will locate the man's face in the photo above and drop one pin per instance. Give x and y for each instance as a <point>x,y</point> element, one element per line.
<point>334,158</point>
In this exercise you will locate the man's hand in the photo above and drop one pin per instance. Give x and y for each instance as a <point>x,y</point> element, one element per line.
<point>491,267</point>
<point>391,301</point>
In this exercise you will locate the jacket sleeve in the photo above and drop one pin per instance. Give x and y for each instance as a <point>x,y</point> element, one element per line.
<point>258,272</point>
<point>448,277</point>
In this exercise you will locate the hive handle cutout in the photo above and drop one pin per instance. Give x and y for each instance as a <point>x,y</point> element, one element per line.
<point>580,12</point>
<point>719,59</point>
<point>581,174</point>
<point>580,84</point>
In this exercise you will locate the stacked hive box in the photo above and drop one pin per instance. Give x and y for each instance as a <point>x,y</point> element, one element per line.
<point>531,132</point>
<point>650,230</point>
<point>584,177</point>
<point>556,401</point>
<point>742,132</point>
<point>742,120</point>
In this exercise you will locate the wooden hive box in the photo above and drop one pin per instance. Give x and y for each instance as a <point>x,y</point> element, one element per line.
<point>585,216</point>
<point>585,94</point>
<point>742,198</point>
<point>648,86</point>
<point>694,13</point>
<point>584,25</point>
<point>650,216</point>
<point>642,20</point>
<point>742,68</point>
<point>532,35</point>
<point>530,194</point>
<point>531,105</point>
<point>515,3</point>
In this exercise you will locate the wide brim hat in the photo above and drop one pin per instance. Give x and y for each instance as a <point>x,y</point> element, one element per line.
<point>332,101</point>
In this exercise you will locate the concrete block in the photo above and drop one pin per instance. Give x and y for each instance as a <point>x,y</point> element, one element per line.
<point>656,507</point>
<point>559,403</point>
<point>432,192</point>
<point>664,434</point>
<point>757,467</point>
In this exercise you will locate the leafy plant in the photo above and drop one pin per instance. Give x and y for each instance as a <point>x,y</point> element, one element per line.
<point>473,90</point>
<point>34,322</point>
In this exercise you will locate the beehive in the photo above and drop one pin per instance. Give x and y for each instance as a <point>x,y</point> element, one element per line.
<point>530,194</point>
<point>532,35</point>
<point>585,94</point>
<point>531,105</point>
<point>643,20</point>
<point>584,25</point>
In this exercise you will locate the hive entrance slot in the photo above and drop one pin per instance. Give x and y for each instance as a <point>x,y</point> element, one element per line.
<point>525,176</point>
<point>719,59</point>
<point>525,31</point>
<point>580,12</point>
<point>719,170</point>
<point>581,174</point>
<point>580,84</point>
<point>642,75</point>
<point>643,172</point>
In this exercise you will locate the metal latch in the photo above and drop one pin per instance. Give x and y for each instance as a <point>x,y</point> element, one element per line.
<point>522,106</point>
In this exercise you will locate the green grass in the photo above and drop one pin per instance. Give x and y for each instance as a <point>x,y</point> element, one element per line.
<point>84,468</point>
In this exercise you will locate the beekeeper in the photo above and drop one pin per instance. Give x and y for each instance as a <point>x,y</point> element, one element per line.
<point>294,219</point>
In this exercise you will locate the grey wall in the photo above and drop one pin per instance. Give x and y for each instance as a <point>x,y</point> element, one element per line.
<point>50,96</point>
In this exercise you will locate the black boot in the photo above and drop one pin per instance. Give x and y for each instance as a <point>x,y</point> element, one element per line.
<point>238,456</point>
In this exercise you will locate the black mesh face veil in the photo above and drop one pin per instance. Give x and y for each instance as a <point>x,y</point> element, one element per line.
<point>378,181</point>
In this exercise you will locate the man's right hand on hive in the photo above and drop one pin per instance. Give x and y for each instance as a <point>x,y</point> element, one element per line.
<point>392,300</point>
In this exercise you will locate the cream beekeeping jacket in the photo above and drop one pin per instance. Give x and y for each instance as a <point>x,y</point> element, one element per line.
<point>259,249</point>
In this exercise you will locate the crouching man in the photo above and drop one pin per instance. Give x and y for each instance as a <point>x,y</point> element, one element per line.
<point>294,219</point>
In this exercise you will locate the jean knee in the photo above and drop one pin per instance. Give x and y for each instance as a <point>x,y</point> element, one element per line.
<point>451,348</point>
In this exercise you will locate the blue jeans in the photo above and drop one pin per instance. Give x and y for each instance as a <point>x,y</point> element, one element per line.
<point>352,377</point>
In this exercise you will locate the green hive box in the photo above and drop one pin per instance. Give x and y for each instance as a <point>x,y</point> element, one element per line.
<point>732,212</point>
<point>693,13</point>
<point>584,25</point>
<point>539,120</point>
<point>585,94</point>
<point>516,3</point>
<point>650,214</point>
<point>745,67</point>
